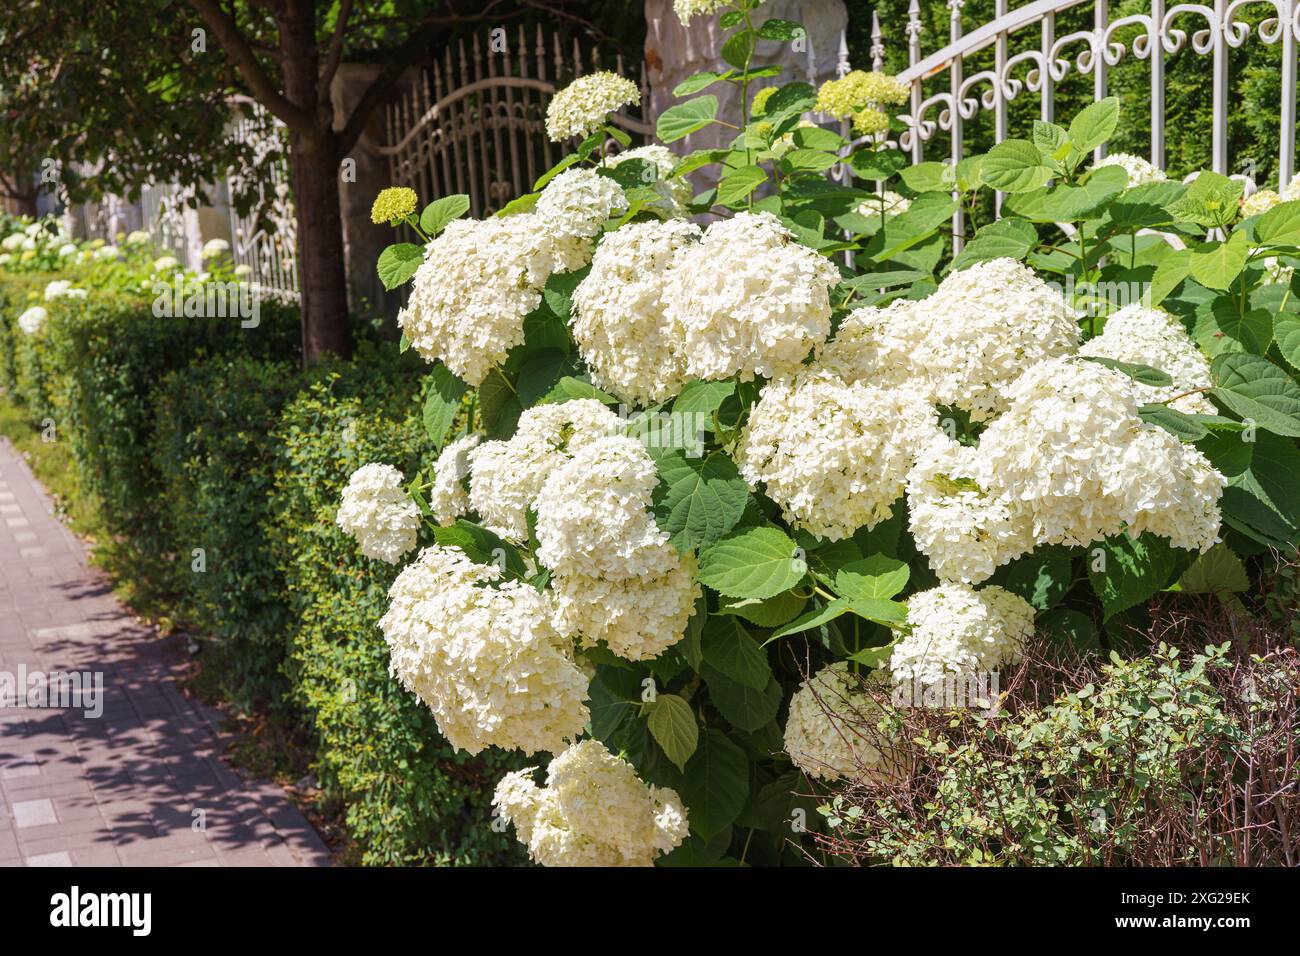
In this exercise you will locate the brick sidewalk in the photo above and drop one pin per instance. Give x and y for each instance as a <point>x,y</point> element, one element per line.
<point>126,788</point>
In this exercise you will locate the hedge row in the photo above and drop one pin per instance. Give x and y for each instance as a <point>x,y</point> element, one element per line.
<point>218,462</point>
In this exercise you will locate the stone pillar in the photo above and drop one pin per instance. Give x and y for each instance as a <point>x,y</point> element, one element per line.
<point>674,52</point>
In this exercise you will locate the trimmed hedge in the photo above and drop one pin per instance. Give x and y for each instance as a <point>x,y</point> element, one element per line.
<point>218,461</point>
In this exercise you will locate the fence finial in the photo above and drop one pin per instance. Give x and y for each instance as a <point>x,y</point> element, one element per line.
<point>842,65</point>
<point>914,27</point>
<point>877,43</point>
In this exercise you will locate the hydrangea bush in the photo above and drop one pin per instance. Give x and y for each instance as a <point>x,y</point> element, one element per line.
<point>716,464</point>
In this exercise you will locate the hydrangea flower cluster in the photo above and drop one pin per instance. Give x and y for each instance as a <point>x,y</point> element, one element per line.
<point>593,811</point>
<point>674,194</point>
<point>582,107</point>
<point>954,630</point>
<point>1140,172</point>
<point>1259,202</point>
<point>857,91</point>
<point>577,202</point>
<point>448,498</point>
<point>377,511</point>
<point>1154,337</point>
<point>829,733</point>
<point>32,319</point>
<point>834,456</point>
<point>482,654</point>
<point>619,315</point>
<point>964,344</point>
<point>749,299</point>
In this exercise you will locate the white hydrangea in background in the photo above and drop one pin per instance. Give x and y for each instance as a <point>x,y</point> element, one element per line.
<point>674,194</point>
<point>962,345</point>
<point>830,733</point>
<point>377,511</point>
<point>62,289</point>
<point>593,811</point>
<point>1154,337</point>
<point>32,320</point>
<point>577,202</point>
<point>583,106</point>
<point>448,498</point>
<point>1140,172</point>
<point>166,264</point>
<point>966,531</point>
<point>478,281</point>
<point>686,10</point>
<point>482,654</point>
<point>619,320</point>
<point>834,457</point>
<point>750,299</point>
<point>1291,192</point>
<point>1259,202</point>
<point>505,476</point>
<point>1074,449</point>
<point>954,631</point>
<point>888,202</point>
<point>214,249</point>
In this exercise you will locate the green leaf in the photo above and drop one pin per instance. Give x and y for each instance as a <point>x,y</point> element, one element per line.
<point>876,576</point>
<point>878,611</point>
<point>698,500</point>
<point>1071,628</point>
<point>680,121</point>
<point>498,405</point>
<point>1286,332</point>
<point>1169,275</point>
<point>1130,570</point>
<point>568,388</point>
<point>698,81</point>
<point>770,612</point>
<point>481,546</point>
<point>609,703</point>
<point>929,177</point>
<point>540,373</point>
<point>1280,226</point>
<point>715,785</point>
<point>1216,264</point>
<point>673,726</point>
<point>873,164</point>
<point>1134,370</point>
<point>438,213</point>
<point>441,403</point>
<point>1181,426</point>
<point>1217,571</point>
<point>901,232</point>
<point>752,563</point>
<point>1095,124</point>
<point>1015,166</point>
<point>1222,327</point>
<point>703,398</point>
<point>398,263</point>
<point>808,160</point>
<point>1261,499</point>
<point>745,708</point>
<point>1256,389</point>
<point>738,48</point>
<point>1006,238</point>
<point>736,185</point>
<point>1052,141</point>
<point>1065,202</point>
<point>775,29</point>
<point>727,646</point>
<point>1041,578</point>
<point>559,289</point>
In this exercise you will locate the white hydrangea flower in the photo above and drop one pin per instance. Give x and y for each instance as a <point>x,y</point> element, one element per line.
<point>954,631</point>
<point>638,618</point>
<point>1259,202</point>
<point>830,733</point>
<point>106,252</point>
<point>1154,337</point>
<point>834,457</point>
<point>448,499</point>
<point>1140,172</point>
<point>593,811</point>
<point>1073,448</point>
<point>478,281</point>
<point>686,10</point>
<point>964,344</point>
<point>32,320</point>
<point>377,511</point>
<point>482,654</point>
<point>166,264</point>
<point>674,194</point>
<point>888,201</point>
<point>215,248</point>
<point>582,107</point>
<point>578,201</point>
<point>593,513</point>
<point>67,249</point>
<point>136,237</point>
<point>505,476</point>
<point>965,530</point>
<point>619,320</point>
<point>1291,191</point>
<point>750,299</point>
<point>62,288</point>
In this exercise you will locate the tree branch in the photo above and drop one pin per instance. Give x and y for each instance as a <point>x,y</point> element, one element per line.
<point>259,84</point>
<point>335,53</point>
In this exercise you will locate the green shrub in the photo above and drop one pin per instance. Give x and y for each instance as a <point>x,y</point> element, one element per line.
<point>410,798</point>
<point>16,291</point>
<point>216,460</point>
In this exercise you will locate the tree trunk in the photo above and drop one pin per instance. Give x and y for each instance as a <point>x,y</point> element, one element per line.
<point>321,270</point>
